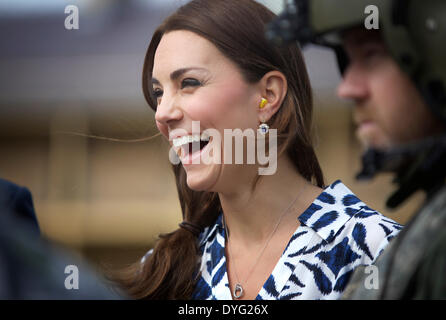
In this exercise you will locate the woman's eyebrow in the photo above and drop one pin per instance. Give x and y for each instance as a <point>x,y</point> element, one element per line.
<point>178,73</point>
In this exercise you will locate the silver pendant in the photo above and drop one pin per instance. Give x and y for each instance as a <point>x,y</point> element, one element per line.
<point>238,291</point>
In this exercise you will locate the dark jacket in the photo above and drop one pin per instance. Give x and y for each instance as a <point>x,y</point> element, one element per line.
<point>17,201</point>
<point>32,267</point>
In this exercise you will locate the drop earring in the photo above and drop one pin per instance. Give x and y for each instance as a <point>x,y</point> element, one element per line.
<point>263,127</point>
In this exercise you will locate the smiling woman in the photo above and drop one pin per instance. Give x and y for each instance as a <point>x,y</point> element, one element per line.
<point>243,235</point>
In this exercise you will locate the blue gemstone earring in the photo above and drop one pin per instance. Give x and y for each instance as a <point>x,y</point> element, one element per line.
<point>263,128</point>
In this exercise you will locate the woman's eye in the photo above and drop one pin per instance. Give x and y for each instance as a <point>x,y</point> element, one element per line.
<point>190,83</point>
<point>157,93</point>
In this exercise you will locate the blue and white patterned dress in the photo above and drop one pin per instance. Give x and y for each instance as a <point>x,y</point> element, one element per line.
<point>337,233</point>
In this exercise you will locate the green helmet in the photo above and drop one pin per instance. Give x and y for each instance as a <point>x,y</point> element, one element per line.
<point>415,34</point>
<point>414,31</point>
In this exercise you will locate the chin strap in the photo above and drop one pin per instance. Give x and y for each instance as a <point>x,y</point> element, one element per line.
<point>419,165</point>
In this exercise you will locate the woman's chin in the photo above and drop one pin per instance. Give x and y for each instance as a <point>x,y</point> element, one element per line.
<point>202,180</point>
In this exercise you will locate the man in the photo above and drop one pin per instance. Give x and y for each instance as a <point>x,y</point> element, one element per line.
<point>391,56</point>
<point>32,267</point>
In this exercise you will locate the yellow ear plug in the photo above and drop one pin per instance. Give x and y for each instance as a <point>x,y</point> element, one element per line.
<point>263,103</point>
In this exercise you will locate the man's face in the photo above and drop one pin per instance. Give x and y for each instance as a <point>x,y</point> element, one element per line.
<point>388,108</point>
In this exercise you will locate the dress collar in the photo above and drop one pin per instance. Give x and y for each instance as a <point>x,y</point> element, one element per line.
<point>326,215</point>
<point>331,210</point>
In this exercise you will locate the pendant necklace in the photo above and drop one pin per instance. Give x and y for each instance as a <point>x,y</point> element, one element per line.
<point>238,291</point>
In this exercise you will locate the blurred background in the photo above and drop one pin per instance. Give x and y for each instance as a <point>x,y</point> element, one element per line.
<point>108,200</point>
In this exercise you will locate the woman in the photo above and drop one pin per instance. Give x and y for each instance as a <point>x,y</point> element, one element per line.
<point>245,235</point>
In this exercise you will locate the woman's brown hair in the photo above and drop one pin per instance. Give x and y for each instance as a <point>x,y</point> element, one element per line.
<point>236,28</point>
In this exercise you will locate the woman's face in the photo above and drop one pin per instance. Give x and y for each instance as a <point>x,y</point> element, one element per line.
<point>193,81</point>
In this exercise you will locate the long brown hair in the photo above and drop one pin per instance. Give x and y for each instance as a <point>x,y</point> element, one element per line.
<point>236,28</point>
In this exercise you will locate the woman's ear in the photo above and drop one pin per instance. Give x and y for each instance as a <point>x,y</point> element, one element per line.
<point>273,88</point>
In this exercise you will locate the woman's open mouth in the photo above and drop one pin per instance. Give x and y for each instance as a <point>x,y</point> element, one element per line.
<point>190,147</point>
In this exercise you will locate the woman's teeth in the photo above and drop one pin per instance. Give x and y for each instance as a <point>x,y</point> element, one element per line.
<point>179,142</point>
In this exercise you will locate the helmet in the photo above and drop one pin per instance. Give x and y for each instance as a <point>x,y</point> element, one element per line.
<point>415,34</point>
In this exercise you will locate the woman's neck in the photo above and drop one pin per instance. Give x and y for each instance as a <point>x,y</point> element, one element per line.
<point>250,215</point>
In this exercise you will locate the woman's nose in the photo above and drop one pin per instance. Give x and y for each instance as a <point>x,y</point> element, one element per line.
<point>167,111</point>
